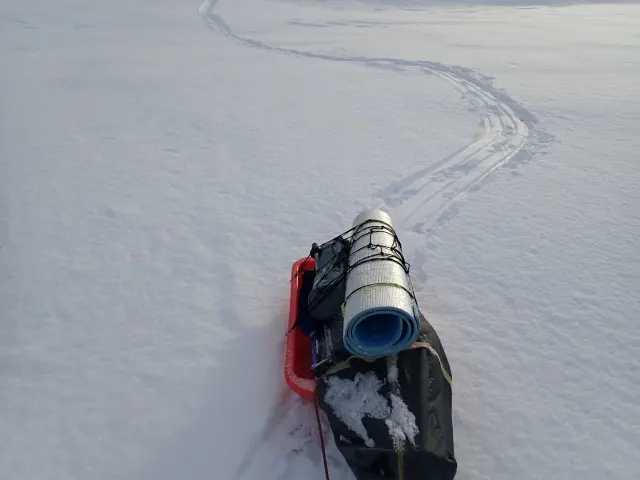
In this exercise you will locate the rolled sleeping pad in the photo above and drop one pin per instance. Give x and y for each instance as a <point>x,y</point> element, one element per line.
<point>381,317</point>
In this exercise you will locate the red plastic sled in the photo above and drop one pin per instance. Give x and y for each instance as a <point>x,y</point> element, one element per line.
<point>298,351</point>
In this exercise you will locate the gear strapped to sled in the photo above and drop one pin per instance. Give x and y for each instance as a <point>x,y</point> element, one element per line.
<point>390,415</point>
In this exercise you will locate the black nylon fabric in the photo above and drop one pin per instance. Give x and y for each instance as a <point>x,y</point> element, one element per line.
<point>427,394</point>
<point>329,283</point>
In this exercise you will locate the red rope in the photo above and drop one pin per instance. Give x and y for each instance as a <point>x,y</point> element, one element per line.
<point>324,452</point>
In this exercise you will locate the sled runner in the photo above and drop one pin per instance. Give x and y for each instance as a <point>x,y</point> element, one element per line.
<point>298,350</point>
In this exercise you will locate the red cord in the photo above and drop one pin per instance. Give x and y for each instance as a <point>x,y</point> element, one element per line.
<point>324,452</point>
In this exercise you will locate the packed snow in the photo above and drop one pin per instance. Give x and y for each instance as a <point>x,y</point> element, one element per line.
<point>163,163</point>
<point>353,400</point>
<point>401,421</point>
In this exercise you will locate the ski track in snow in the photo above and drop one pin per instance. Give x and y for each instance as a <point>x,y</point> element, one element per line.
<point>421,201</point>
<point>291,429</point>
<point>425,199</point>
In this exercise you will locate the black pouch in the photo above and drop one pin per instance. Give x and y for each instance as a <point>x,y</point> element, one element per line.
<point>421,378</point>
<point>327,294</point>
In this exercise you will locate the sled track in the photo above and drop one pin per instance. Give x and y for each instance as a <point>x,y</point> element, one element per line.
<point>424,199</point>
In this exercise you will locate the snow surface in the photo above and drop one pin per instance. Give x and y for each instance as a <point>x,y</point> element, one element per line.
<point>163,163</point>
